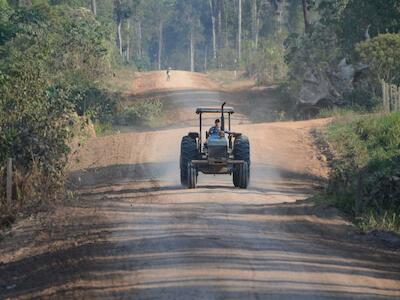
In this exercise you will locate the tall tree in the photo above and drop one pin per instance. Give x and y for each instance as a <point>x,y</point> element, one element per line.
<point>94,7</point>
<point>254,21</point>
<point>158,14</point>
<point>214,39</point>
<point>240,30</point>
<point>119,16</point>
<point>128,41</point>
<point>305,15</point>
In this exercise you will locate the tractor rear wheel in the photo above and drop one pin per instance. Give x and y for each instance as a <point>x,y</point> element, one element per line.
<point>241,176</point>
<point>241,151</point>
<point>191,176</point>
<point>244,175</point>
<point>188,153</point>
<point>236,176</point>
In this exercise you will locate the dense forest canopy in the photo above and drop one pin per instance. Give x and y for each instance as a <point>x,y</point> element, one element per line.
<point>203,34</point>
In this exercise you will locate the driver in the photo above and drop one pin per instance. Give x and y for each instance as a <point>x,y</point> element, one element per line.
<point>216,129</point>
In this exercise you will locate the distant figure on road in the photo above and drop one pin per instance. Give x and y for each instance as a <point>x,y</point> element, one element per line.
<point>168,74</point>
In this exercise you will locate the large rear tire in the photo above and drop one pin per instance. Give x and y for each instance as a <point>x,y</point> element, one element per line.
<point>236,176</point>
<point>244,175</point>
<point>241,151</point>
<point>191,176</point>
<point>188,153</point>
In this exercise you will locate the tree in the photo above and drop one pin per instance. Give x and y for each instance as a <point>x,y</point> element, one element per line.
<point>157,14</point>
<point>240,30</point>
<point>94,6</point>
<point>382,55</point>
<point>214,39</point>
<point>58,54</point>
<point>123,9</point>
<point>356,16</point>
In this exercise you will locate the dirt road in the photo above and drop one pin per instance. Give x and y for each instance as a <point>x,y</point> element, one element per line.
<point>135,233</point>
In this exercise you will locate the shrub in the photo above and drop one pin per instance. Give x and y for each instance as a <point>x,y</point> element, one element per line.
<point>382,55</point>
<point>266,64</point>
<point>47,55</point>
<point>365,175</point>
<point>140,113</point>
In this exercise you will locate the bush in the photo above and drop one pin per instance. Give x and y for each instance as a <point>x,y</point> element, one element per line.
<point>141,113</point>
<point>382,55</point>
<point>93,101</point>
<point>266,64</point>
<point>48,54</point>
<point>365,175</point>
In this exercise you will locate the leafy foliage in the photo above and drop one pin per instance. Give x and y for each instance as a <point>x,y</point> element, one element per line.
<point>316,50</point>
<point>140,113</point>
<point>266,63</point>
<point>348,29</point>
<point>365,174</point>
<point>382,55</point>
<point>52,57</point>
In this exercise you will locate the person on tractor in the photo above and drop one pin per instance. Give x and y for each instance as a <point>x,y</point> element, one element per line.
<point>216,129</point>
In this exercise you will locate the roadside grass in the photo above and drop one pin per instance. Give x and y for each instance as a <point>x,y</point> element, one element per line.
<point>142,113</point>
<point>103,128</point>
<point>225,77</point>
<point>341,112</point>
<point>365,169</point>
<point>388,221</point>
<point>120,80</point>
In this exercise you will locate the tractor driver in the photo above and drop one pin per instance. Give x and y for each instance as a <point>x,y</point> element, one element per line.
<point>216,129</point>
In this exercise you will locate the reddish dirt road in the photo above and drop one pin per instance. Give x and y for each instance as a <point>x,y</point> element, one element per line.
<point>135,233</point>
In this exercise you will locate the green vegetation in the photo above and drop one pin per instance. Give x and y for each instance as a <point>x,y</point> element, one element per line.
<point>144,112</point>
<point>383,57</point>
<point>52,58</point>
<point>351,29</point>
<point>365,175</point>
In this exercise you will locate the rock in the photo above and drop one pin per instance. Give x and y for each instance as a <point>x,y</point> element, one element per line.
<point>325,88</point>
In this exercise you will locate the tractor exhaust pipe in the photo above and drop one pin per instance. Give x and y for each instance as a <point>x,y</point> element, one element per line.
<point>222,117</point>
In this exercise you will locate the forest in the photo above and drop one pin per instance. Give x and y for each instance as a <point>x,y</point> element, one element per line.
<point>55,56</point>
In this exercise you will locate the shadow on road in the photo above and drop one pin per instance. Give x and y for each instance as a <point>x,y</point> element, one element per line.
<point>235,247</point>
<point>218,252</point>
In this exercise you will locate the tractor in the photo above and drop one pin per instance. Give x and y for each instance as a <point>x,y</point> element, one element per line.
<point>226,153</point>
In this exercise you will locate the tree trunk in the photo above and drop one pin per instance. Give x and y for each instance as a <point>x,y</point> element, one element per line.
<point>219,26</point>
<point>160,43</point>
<point>281,17</point>
<point>214,39</point>
<point>120,37</point>
<point>226,27</point>
<point>254,19</point>
<point>191,49</point>
<point>240,30</point>
<point>205,59</point>
<point>128,42</point>
<point>94,7</point>
<point>305,14</point>
<point>139,29</point>
<point>257,30</point>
